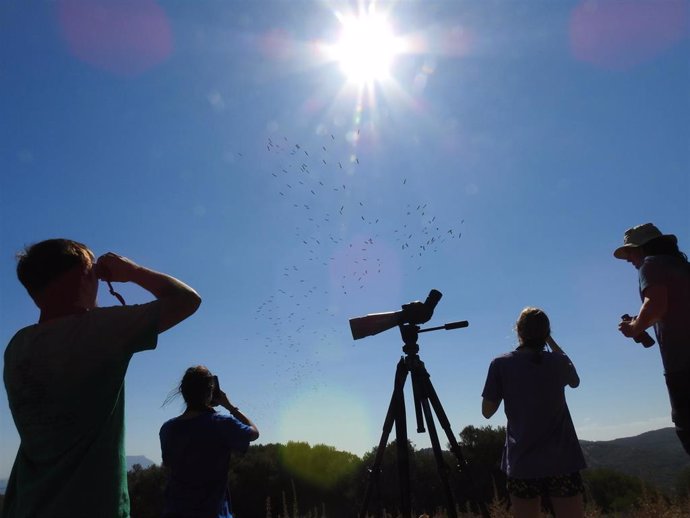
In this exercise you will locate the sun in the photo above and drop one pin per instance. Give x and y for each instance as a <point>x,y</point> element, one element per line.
<point>366,48</point>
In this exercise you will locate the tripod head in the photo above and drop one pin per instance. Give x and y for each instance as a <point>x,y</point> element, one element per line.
<point>410,332</point>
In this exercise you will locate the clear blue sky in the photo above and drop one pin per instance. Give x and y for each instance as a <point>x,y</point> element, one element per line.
<point>522,137</point>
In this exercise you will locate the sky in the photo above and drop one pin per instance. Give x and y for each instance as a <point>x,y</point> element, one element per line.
<point>495,151</point>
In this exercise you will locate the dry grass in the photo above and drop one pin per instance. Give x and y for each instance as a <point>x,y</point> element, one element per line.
<point>650,505</point>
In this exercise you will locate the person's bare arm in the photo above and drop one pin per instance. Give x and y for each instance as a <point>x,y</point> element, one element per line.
<point>574,381</point>
<point>652,310</point>
<point>553,345</point>
<point>177,300</point>
<point>235,412</point>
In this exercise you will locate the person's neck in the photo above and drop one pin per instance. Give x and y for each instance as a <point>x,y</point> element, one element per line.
<point>52,313</point>
<point>193,412</point>
<point>528,349</point>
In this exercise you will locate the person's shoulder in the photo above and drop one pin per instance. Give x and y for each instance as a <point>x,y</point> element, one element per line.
<point>654,266</point>
<point>22,336</point>
<point>120,318</point>
<point>171,424</point>
<point>504,358</point>
<point>217,417</point>
<point>22,333</point>
<point>115,310</point>
<point>556,357</point>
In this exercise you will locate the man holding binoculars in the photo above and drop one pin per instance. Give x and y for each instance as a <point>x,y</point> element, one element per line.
<point>664,276</point>
<point>65,375</point>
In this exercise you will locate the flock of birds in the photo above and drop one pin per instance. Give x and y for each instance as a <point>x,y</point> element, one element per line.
<point>342,245</point>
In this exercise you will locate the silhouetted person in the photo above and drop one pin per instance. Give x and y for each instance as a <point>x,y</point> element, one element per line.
<point>664,277</point>
<point>542,456</point>
<point>196,448</point>
<point>65,379</point>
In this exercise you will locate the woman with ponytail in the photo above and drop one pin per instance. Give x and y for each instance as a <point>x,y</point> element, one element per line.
<point>541,457</point>
<point>196,448</point>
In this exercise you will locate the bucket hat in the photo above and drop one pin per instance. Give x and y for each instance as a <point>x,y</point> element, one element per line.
<point>638,236</point>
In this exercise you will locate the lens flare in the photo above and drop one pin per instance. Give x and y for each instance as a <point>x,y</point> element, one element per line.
<point>125,38</point>
<point>342,419</point>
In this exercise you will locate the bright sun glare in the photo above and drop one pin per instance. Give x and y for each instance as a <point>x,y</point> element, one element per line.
<point>366,49</point>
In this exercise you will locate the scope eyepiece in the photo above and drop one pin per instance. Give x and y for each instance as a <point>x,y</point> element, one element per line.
<point>432,299</point>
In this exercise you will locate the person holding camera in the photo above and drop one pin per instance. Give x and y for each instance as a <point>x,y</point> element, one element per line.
<point>542,457</point>
<point>664,284</point>
<point>196,449</point>
<point>64,378</point>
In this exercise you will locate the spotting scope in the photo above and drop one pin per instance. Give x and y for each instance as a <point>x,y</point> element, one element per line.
<point>412,313</point>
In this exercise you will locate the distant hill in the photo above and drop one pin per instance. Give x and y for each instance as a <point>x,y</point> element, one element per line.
<point>655,456</point>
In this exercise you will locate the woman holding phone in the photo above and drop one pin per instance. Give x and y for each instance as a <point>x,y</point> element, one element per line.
<point>196,448</point>
<point>542,457</point>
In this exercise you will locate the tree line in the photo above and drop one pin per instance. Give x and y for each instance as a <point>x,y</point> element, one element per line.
<point>297,479</point>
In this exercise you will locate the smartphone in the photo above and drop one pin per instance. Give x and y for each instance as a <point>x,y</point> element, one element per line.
<point>216,389</point>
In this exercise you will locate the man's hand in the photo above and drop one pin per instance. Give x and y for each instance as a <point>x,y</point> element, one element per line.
<point>628,327</point>
<point>115,268</point>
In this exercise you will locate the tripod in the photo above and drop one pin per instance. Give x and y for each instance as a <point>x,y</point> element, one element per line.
<point>425,399</point>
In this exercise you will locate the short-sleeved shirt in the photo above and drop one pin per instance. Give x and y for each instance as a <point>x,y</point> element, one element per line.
<point>65,385</point>
<point>196,452</point>
<point>540,436</point>
<point>673,330</point>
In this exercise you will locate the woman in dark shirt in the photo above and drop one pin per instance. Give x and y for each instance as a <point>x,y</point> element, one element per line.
<point>196,448</point>
<point>542,456</point>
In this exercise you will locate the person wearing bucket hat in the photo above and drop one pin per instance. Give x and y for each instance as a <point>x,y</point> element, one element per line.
<point>664,283</point>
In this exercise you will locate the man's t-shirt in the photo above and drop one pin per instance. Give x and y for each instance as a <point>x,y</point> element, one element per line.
<point>540,436</point>
<point>196,452</point>
<point>65,385</point>
<point>673,330</point>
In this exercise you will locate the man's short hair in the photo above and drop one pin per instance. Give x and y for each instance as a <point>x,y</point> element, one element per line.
<point>40,264</point>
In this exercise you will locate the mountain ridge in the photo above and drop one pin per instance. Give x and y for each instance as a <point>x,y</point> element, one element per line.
<point>655,456</point>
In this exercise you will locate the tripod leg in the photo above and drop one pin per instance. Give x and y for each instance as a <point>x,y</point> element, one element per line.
<point>441,465</point>
<point>417,392</point>
<point>454,446</point>
<point>403,457</point>
<point>393,415</point>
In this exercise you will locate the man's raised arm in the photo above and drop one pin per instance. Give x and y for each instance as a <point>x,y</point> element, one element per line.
<point>177,300</point>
